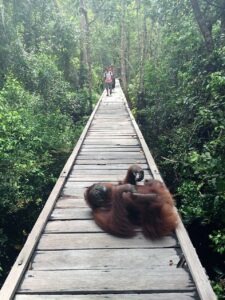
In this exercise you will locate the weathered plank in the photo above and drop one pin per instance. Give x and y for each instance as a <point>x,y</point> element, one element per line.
<point>71,192</point>
<point>119,172</point>
<point>102,122</point>
<point>108,131</point>
<point>66,202</point>
<point>106,281</point>
<point>116,142</point>
<point>71,226</point>
<point>110,135</point>
<point>71,213</point>
<point>110,149</point>
<point>133,296</point>
<point>111,127</point>
<point>98,178</point>
<point>80,184</point>
<point>101,240</point>
<point>97,162</point>
<point>77,183</point>
<point>105,259</point>
<point>104,112</point>
<point>111,146</point>
<point>111,156</point>
<point>105,166</point>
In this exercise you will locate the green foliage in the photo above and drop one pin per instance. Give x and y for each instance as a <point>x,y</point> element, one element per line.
<point>42,112</point>
<point>182,115</point>
<point>218,240</point>
<point>219,287</point>
<point>33,146</point>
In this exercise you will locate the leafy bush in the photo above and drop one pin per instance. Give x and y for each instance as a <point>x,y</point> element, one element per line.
<point>33,147</point>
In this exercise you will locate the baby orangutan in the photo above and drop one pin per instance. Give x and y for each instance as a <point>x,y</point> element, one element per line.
<point>120,208</point>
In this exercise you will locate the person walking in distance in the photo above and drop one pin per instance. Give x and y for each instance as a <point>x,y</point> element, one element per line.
<point>108,78</point>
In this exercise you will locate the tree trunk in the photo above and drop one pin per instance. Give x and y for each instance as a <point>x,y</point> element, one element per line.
<point>2,8</point>
<point>222,18</point>
<point>86,50</point>
<point>202,23</point>
<point>143,55</point>
<point>123,49</point>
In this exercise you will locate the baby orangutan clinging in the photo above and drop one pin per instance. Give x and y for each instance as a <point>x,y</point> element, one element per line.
<point>120,208</point>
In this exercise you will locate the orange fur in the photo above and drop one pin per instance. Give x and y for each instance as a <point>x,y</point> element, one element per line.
<point>125,206</point>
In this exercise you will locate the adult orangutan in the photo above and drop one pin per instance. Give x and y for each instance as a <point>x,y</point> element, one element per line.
<point>120,208</point>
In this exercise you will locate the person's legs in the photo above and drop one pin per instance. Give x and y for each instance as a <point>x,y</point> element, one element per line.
<point>107,88</point>
<point>110,87</point>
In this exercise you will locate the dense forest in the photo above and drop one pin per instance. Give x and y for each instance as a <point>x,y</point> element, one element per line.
<point>170,58</point>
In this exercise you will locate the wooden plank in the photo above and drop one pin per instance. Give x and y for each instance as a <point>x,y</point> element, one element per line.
<point>117,112</point>
<point>101,122</point>
<point>71,192</point>
<point>106,115</point>
<point>109,118</point>
<point>99,178</point>
<point>101,134</point>
<point>119,172</point>
<point>80,184</point>
<point>100,240</point>
<point>110,111</point>
<point>111,155</point>
<point>111,130</point>
<point>95,178</point>
<point>71,213</point>
<point>106,281</point>
<point>110,149</point>
<point>114,123</point>
<point>115,142</point>
<point>66,202</point>
<point>97,173</point>
<point>107,109</point>
<point>83,184</point>
<point>109,127</point>
<point>116,134</point>
<point>111,146</point>
<point>116,166</point>
<point>71,226</point>
<point>97,162</point>
<point>105,259</point>
<point>133,296</point>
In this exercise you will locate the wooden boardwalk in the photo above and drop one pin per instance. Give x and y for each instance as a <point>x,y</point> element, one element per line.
<point>68,257</point>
